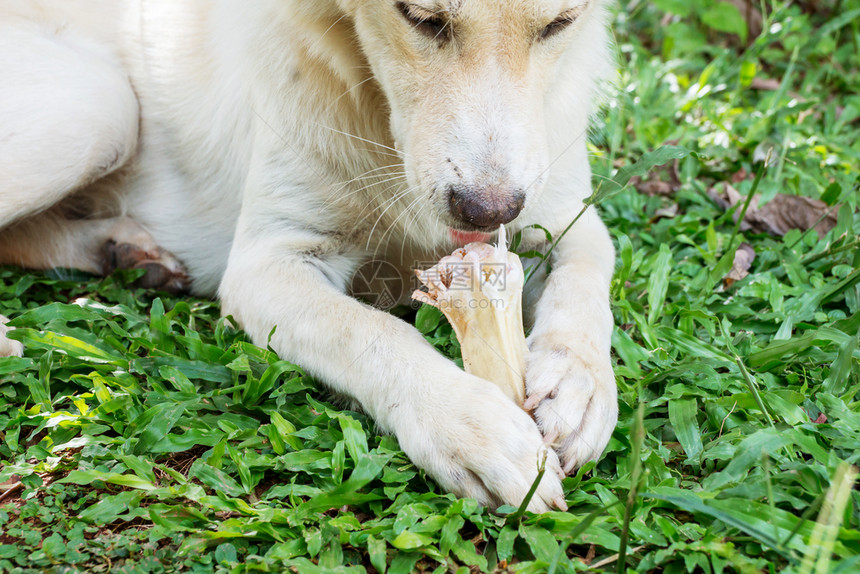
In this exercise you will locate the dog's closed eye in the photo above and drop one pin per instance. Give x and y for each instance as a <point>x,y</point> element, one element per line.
<point>562,22</point>
<point>429,23</point>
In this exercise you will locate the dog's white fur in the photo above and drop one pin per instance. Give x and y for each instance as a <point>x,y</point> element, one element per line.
<point>272,146</point>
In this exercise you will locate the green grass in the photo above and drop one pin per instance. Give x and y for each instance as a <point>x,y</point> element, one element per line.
<point>145,434</point>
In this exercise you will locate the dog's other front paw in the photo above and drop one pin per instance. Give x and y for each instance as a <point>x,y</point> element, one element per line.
<point>476,443</point>
<point>574,401</point>
<point>8,347</point>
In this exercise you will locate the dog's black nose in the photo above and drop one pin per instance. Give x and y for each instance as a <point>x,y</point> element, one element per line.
<point>485,207</point>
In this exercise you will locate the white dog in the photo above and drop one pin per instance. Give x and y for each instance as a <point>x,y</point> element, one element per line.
<point>274,146</point>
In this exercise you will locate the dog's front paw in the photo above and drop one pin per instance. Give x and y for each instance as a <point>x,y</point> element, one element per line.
<point>8,347</point>
<point>477,443</point>
<point>574,401</point>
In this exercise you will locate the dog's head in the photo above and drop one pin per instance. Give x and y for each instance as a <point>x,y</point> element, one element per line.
<point>468,83</point>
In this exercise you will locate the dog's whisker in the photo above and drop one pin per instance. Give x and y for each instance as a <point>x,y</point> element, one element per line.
<point>371,208</point>
<point>388,203</point>
<point>556,160</point>
<point>391,203</point>
<point>392,228</point>
<point>334,198</point>
<point>415,219</point>
<point>289,146</point>
<point>340,97</point>
<point>379,172</point>
<point>361,177</point>
<point>368,174</point>
<point>330,28</point>
<point>371,199</point>
<point>406,211</point>
<point>359,138</point>
<point>388,177</point>
<point>383,153</point>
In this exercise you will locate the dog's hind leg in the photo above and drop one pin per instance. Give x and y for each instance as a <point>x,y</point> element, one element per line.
<point>68,117</point>
<point>98,246</point>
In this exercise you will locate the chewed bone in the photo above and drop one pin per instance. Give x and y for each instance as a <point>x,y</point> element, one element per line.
<point>479,289</point>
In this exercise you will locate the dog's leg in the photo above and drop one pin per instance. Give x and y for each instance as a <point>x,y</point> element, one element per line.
<point>463,430</point>
<point>68,116</point>
<point>98,246</point>
<point>8,347</point>
<point>569,379</point>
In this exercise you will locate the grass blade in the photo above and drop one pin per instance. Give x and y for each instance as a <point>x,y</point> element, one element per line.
<point>635,480</point>
<point>819,549</point>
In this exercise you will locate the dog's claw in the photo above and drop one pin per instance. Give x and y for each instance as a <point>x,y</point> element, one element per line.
<point>532,401</point>
<point>550,438</point>
<point>573,402</point>
<point>163,271</point>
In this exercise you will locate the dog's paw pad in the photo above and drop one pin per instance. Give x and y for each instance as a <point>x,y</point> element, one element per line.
<point>163,271</point>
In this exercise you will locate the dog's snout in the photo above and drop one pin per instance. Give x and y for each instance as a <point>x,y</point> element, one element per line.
<point>485,207</point>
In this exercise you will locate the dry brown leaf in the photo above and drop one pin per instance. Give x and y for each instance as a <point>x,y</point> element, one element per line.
<point>744,257</point>
<point>654,187</point>
<point>667,212</point>
<point>590,555</point>
<point>670,183</point>
<point>664,180</point>
<point>781,214</point>
<point>741,175</point>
